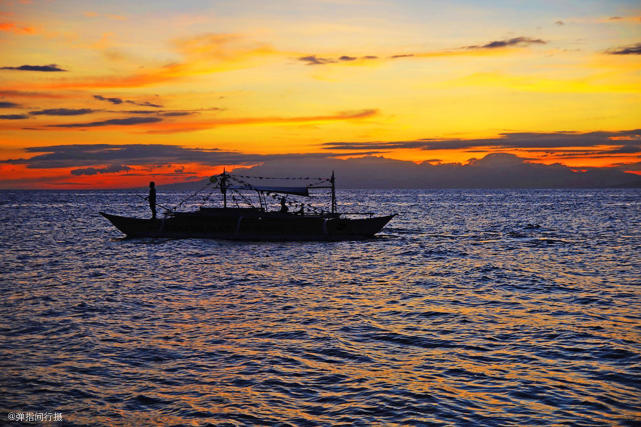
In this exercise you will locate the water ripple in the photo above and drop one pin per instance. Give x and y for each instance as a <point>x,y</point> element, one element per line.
<point>472,307</point>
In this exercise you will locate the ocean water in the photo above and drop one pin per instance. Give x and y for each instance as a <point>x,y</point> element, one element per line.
<point>471,307</point>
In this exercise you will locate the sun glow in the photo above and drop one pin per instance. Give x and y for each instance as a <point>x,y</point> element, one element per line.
<point>257,83</point>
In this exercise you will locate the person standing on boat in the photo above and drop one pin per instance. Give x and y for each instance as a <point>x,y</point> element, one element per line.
<point>152,199</point>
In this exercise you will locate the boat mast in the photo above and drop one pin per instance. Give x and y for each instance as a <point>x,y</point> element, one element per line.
<point>223,187</point>
<point>333,181</point>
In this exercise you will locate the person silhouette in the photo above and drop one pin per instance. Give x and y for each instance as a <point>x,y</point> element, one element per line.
<point>152,199</point>
<point>283,205</point>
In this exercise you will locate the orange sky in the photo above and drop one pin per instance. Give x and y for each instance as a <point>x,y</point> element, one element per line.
<point>409,80</point>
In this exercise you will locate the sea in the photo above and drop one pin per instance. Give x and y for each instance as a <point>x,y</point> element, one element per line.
<point>471,307</point>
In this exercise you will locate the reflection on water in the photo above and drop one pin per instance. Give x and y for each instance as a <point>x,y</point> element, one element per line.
<point>481,307</point>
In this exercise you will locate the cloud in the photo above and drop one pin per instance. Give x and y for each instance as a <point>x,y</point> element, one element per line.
<point>112,100</point>
<point>496,170</point>
<point>117,101</point>
<point>46,68</point>
<point>630,166</point>
<point>129,121</point>
<point>618,19</point>
<point>220,47</point>
<point>314,60</point>
<point>137,112</point>
<point>13,116</point>
<point>161,113</point>
<point>461,51</point>
<point>144,104</point>
<point>23,94</point>
<point>12,27</point>
<point>317,60</point>
<point>153,120</point>
<point>172,127</point>
<point>201,54</point>
<point>559,22</point>
<point>62,112</point>
<point>9,105</point>
<point>621,142</point>
<point>94,171</point>
<point>516,41</point>
<point>627,50</point>
<point>175,113</point>
<point>90,155</point>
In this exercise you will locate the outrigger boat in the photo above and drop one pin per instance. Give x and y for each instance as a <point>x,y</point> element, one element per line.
<point>257,223</point>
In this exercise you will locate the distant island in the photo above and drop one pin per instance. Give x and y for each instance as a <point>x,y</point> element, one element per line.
<point>497,170</point>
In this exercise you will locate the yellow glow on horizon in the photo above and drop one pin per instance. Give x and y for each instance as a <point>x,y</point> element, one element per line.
<point>288,82</point>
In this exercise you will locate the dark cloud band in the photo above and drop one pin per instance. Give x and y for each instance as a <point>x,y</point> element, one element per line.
<point>13,116</point>
<point>94,171</point>
<point>85,155</point>
<point>620,142</point>
<point>62,112</point>
<point>45,68</point>
<point>129,121</point>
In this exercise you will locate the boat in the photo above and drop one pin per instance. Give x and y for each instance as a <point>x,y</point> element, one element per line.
<point>258,223</point>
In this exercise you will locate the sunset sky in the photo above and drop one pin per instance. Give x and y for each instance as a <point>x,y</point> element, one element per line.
<point>113,94</point>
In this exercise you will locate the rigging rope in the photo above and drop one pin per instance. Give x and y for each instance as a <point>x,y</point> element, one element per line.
<point>189,197</point>
<point>238,178</point>
<point>308,178</point>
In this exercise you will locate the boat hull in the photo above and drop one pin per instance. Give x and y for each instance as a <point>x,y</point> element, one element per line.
<point>225,224</point>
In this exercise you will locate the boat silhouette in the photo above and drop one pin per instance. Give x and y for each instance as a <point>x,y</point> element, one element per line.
<point>257,222</point>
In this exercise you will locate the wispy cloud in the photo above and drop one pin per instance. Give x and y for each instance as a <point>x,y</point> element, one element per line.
<point>117,101</point>
<point>112,100</point>
<point>9,105</point>
<point>618,19</point>
<point>166,113</point>
<point>94,171</point>
<point>44,68</point>
<point>14,116</point>
<point>62,112</point>
<point>318,60</point>
<point>495,45</point>
<point>12,27</point>
<point>516,41</point>
<point>634,49</point>
<point>173,127</point>
<point>315,60</point>
<point>152,121</point>
<point>622,142</point>
<point>26,94</point>
<point>129,121</point>
<point>201,54</point>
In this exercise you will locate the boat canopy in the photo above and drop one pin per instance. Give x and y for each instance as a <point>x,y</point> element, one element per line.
<point>298,191</point>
